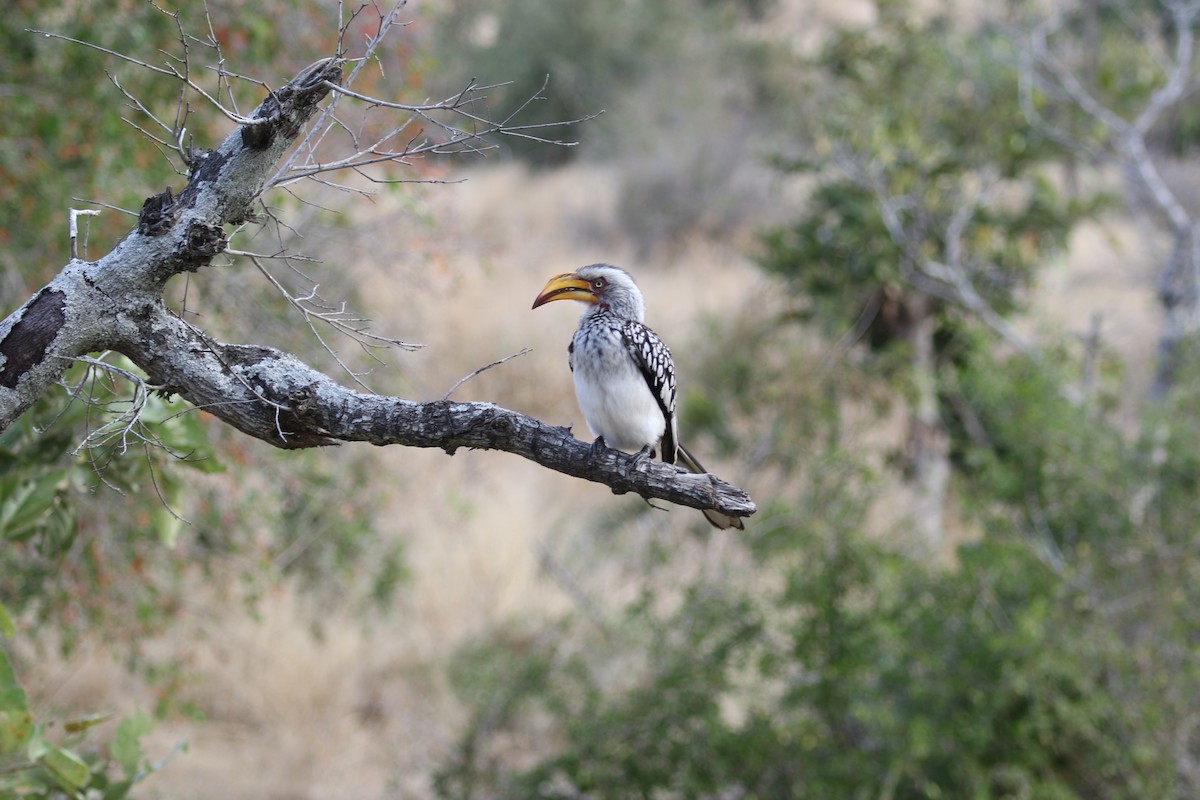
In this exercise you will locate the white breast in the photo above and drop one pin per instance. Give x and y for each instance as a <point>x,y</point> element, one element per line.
<point>614,398</point>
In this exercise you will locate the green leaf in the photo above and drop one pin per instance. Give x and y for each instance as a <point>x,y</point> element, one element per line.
<point>12,696</point>
<point>16,726</point>
<point>7,630</point>
<point>118,790</point>
<point>127,746</point>
<point>167,526</point>
<point>83,723</point>
<point>58,530</point>
<point>37,747</point>
<point>29,504</point>
<point>68,768</point>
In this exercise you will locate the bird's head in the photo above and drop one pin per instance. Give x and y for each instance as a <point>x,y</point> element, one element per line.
<point>602,286</point>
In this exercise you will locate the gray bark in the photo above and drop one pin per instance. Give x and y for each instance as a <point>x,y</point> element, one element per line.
<point>929,439</point>
<point>116,304</point>
<point>1122,141</point>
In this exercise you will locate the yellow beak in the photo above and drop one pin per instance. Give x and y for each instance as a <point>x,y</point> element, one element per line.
<point>568,286</point>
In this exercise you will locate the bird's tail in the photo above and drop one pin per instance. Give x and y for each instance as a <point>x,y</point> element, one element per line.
<point>716,518</point>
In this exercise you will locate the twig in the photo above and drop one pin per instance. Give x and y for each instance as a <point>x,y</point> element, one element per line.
<point>102,204</point>
<point>484,368</point>
<point>233,116</point>
<point>76,212</point>
<point>336,318</point>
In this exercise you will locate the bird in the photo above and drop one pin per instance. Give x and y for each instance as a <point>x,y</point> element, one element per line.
<point>623,373</point>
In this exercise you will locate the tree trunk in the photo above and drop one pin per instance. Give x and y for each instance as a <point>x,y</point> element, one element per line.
<point>929,439</point>
<point>1179,294</point>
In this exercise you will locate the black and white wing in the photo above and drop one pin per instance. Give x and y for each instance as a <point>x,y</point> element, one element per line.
<point>653,360</point>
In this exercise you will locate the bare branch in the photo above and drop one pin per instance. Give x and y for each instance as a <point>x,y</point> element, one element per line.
<point>75,214</point>
<point>948,278</point>
<point>1123,143</point>
<point>105,205</point>
<point>326,114</point>
<point>127,424</point>
<point>116,304</point>
<point>454,139</point>
<point>170,71</point>
<point>484,368</point>
<point>273,396</point>
<point>337,319</point>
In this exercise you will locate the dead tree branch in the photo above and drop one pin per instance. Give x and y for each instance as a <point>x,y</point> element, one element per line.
<point>272,396</point>
<point>1052,85</point>
<point>949,277</point>
<point>116,303</point>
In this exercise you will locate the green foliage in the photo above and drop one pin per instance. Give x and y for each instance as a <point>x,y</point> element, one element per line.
<point>851,672</point>
<point>1036,474</point>
<point>916,116</point>
<point>666,733</point>
<point>66,137</point>
<point>586,51</point>
<point>36,764</point>
<point>325,534</point>
<point>52,559</point>
<point>57,144</point>
<point>1084,490</point>
<point>1119,53</point>
<point>1054,658</point>
<point>94,490</point>
<point>121,561</point>
<point>591,53</point>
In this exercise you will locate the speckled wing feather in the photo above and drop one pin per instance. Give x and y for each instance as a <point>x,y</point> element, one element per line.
<point>653,360</point>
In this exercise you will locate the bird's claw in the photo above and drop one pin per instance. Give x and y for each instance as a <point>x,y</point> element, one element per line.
<point>597,447</point>
<point>641,455</point>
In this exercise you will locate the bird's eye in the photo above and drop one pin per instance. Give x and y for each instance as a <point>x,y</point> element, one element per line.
<point>599,283</point>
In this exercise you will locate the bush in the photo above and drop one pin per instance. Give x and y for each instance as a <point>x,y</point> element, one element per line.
<point>865,674</point>
<point>35,764</point>
<point>689,104</point>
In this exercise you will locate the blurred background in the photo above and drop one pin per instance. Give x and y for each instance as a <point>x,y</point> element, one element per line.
<point>929,272</point>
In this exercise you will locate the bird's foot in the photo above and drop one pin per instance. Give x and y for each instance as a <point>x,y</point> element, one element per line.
<point>654,505</point>
<point>641,455</point>
<point>597,447</point>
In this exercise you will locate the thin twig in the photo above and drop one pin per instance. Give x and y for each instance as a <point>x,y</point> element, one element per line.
<point>233,116</point>
<point>484,368</point>
<point>102,204</point>
<point>74,228</point>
